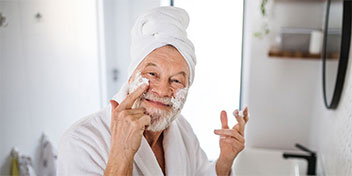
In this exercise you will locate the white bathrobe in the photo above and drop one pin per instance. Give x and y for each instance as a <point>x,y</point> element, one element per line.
<point>84,150</point>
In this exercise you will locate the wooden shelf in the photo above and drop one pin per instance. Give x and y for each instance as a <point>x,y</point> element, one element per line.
<point>299,55</point>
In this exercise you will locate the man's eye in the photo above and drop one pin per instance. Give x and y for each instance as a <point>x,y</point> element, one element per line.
<point>176,81</point>
<point>151,74</point>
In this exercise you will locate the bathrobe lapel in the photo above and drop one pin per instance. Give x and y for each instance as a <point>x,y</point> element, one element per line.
<point>176,157</point>
<point>146,161</point>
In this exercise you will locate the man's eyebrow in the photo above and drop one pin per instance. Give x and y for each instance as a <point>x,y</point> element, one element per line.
<point>182,73</point>
<point>151,64</point>
<point>154,65</point>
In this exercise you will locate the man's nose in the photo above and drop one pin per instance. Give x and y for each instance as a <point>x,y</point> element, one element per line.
<point>162,89</point>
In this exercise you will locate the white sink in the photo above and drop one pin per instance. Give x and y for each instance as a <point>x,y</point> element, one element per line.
<point>265,162</point>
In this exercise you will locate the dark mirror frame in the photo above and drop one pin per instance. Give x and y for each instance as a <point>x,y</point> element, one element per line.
<point>344,54</point>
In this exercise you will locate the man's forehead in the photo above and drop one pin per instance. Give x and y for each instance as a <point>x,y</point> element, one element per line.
<point>166,56</point>
<point>151,64</point>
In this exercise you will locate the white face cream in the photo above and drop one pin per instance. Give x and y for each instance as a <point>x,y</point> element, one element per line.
<point>160,119</point>
<point>138,81</point>
<point>179,100</point>
<point>240,113</point>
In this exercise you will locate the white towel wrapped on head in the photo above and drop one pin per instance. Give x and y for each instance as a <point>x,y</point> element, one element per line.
<point>159,27</point>
<point>156,28</point>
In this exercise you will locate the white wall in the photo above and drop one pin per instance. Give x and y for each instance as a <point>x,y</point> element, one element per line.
<point>285,95</point>
<point>279,92</point>
<point>49,71</point>
<point>120,16</point>
<point>331,130</point>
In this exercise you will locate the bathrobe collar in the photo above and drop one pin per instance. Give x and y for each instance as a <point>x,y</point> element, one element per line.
<point>175,154</point>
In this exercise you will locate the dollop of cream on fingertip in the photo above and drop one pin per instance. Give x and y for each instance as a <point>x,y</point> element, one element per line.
<point>240,113</point>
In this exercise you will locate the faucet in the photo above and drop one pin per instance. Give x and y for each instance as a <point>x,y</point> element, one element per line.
<point>311,158</point>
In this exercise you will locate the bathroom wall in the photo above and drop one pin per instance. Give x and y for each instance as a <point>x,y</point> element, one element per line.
<point>49,74</point>
<point>50,68</point>
<point>331,130</point>
<point>285,95</point>
<point>279,92</point>
<point>119,17</point>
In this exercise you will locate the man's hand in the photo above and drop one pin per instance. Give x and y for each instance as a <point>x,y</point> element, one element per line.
<point>127,127</point>
<point>231,141</point>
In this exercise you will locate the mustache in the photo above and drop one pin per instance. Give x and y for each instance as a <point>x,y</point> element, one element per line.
<point>164,100</point>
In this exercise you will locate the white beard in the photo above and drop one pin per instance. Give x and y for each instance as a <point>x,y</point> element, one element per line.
<point>160,119</point>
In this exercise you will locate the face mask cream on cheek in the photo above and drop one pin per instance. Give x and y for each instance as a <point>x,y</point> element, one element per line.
<point>179,99</point>
<point>138,81</point>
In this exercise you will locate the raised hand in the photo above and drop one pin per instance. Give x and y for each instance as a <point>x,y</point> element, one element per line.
<point>127,127</point>
<point>231,141</point>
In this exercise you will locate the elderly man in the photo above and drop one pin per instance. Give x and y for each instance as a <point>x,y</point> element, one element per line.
<point>143,132</point>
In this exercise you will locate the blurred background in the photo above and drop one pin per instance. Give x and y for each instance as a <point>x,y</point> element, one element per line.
<point>63,60</point>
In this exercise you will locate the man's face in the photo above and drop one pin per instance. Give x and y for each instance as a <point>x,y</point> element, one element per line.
<point>168,76</point>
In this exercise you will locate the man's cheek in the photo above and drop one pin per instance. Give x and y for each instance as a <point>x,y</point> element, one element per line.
<point>138,81</point>
<point>179,99</point>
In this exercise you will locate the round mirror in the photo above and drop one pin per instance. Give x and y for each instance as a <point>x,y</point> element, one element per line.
<point>336,47</point>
